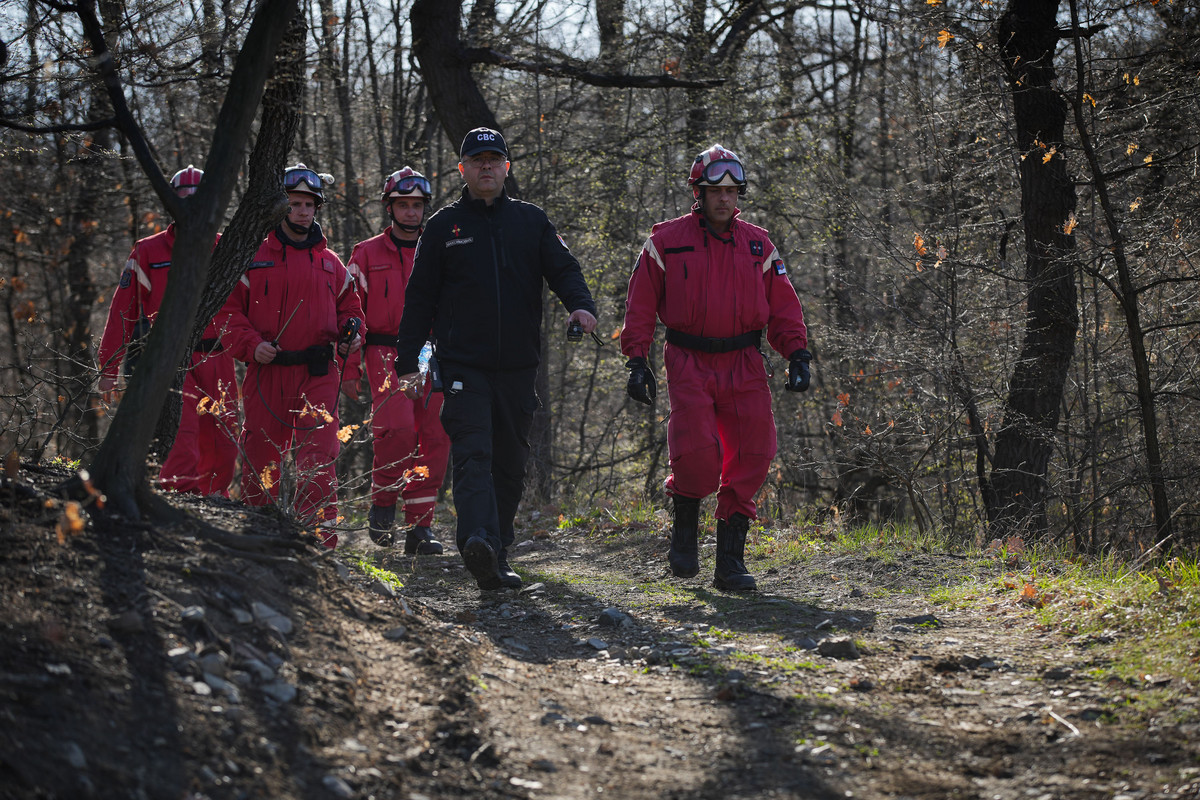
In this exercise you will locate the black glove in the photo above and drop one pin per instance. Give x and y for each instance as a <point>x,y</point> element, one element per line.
<point>641,386</point>
<point>798,375</point>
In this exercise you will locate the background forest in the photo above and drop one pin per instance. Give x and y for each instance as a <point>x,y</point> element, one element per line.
<point>988,209</point>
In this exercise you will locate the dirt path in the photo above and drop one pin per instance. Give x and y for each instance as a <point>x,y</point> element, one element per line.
<point>142,664</point>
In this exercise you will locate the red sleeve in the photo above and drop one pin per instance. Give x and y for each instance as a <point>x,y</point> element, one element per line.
<point>238,336</point>
<point>348,302</point>
<point>786,331</point>
<point>122,316</point>
<point>353,366</point>
<point>642,302</point>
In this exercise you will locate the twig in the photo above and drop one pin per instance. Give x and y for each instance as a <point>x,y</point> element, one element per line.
<point>1074,731</point>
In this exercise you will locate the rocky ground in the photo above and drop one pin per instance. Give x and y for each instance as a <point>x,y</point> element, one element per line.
<point>233,658</point>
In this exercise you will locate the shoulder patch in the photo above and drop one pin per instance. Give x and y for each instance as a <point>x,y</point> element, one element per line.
<point>126,278</point>
<point>563,243</point>
<point>756,247</point>
<point>160,264</point>
<point>780,269</point>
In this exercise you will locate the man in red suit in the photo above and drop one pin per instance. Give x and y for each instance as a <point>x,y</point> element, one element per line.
<point>209,411</point>
<point>284,319</point>
<point>715,281</point>
<point>411,449</point>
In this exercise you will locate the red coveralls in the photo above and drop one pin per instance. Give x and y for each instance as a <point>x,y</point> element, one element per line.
<point>721,432</point>
<point>286,407</point>
<point>408,433</point>
<point>204,454</point>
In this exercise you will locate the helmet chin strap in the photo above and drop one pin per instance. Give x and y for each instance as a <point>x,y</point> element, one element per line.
<point>299,230</point>
<point>406,228</point>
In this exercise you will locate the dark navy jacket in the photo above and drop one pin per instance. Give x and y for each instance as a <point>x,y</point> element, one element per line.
<point>477,283</point>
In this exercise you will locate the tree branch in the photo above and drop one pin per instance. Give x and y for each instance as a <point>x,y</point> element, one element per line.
<point>105,64</point>
<point>107,122</point>
<point>485,55</point>
<point>1080,33</point>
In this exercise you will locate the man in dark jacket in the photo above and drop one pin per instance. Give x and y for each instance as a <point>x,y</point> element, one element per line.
<point>477,283</point>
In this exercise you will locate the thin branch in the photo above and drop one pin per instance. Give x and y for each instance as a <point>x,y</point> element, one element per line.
<point>484,55</point>
<point>105,65</point>
<point>107,122</point>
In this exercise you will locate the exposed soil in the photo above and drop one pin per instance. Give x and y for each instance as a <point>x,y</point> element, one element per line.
<point>143,663</point>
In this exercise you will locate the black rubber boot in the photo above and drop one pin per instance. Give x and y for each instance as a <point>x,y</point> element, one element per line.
<point>379,521</point>
<point>684,556</point>
<point>419,541</point>
<point>509,579</point>
<point>731,574</point>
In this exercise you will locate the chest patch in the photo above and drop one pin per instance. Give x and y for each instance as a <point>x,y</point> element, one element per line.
<point>780,269</point>
<point>756,247</point>
<point>327,266</point>
<point>160,264</point>
<point>456,242</point>
<point>260,264</point>
<point>377,267</point>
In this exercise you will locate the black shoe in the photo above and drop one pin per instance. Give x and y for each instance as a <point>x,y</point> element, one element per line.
<point>379,520</point>
<point>731,573</point>
<point>419,541</point>
<point>480,559</point>
<point>684,555</point>
<point>508,578</point>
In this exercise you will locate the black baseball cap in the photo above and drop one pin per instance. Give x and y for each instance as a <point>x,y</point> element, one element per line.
<point>481,140</point>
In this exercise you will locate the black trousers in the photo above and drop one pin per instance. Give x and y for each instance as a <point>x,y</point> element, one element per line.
<point>487,415</point>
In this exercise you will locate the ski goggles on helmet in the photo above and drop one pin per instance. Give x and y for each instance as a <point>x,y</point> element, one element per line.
<point>407,184</point>
<point>715,171</point>
<point>294,177</point>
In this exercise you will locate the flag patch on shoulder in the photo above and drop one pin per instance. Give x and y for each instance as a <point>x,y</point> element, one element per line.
<point>563,243</point>
<point>780,269</point>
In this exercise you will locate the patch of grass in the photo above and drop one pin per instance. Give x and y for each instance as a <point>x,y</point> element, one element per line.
<point>367,566</point>
<point>785,665</point>
<point>802,541</point>
<point>64,463</point>
<point>1143,623</point>
<point>606,516</point>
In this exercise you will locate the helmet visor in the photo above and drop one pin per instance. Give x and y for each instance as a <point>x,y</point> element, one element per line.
<point>408,184</point>
<point>295,177</point>
<point>715,172</point>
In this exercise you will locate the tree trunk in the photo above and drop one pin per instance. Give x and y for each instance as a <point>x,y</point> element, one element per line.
<point>1016,494</point>
<point>457,100</point>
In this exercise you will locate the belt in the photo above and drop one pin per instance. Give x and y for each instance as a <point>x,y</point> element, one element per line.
<point>382,339</point>
<point>318,353</point>
<point>707,345</point>
<point>209,346</point>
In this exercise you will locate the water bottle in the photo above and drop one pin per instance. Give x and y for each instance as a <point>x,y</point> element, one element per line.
<point>423,359</point>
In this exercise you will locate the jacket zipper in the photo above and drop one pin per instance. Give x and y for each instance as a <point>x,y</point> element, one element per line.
<point>496,253</point>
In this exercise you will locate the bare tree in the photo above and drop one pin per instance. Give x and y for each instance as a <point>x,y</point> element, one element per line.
<point>118,468</point>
